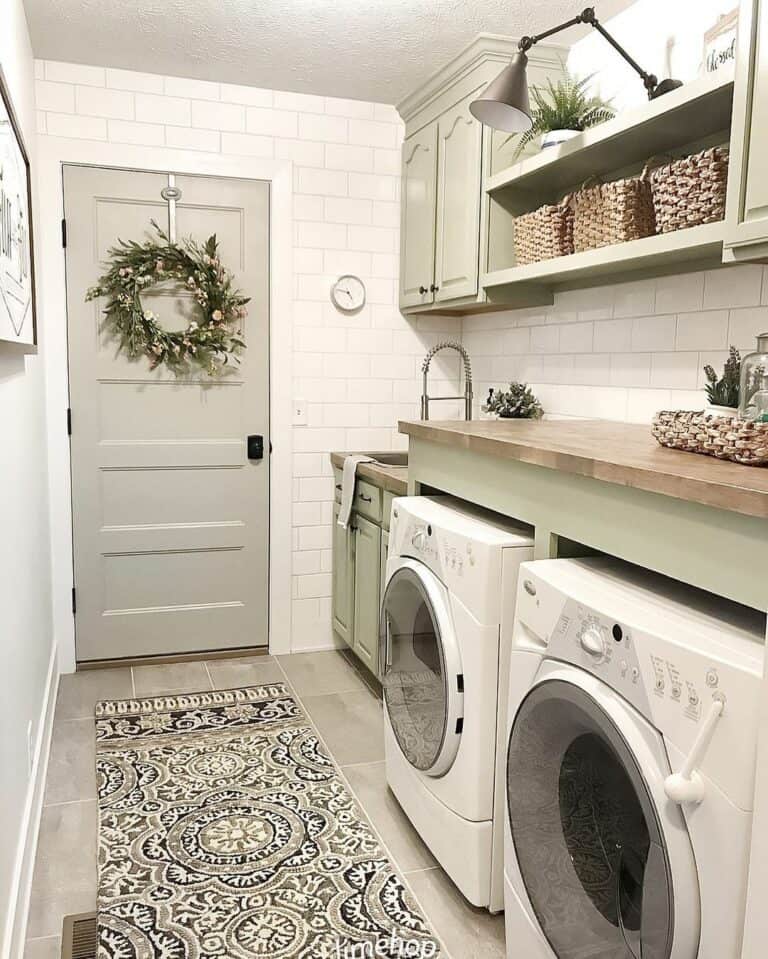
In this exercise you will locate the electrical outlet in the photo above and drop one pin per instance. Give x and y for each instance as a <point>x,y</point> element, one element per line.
<point>30,747</point>
<point>300,413</point>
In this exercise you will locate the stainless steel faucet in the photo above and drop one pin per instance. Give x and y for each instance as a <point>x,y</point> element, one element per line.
<point>426,399</point>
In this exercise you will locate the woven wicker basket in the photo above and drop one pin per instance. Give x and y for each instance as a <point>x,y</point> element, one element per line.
<point>725,437</point>
<point>544,234</point>
<point>614,212</point>
<point>690,191</point>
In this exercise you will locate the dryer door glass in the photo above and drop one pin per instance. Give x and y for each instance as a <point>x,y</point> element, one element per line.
<point>588,842</point>
<point>414,681</point>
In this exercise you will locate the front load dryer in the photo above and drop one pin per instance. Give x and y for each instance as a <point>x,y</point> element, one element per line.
<point>630,768</point>
<point>450,587</point>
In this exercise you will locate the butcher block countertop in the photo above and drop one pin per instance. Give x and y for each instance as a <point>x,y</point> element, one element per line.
<point>622,453</point>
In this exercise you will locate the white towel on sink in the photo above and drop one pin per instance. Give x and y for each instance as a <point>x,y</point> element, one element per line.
<point>348,485</point>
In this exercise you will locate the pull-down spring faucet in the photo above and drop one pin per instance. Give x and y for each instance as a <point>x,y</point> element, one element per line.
<point>426,399</point>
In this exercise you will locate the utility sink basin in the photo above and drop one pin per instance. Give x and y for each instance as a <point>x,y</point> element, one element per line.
<point>391,459</point>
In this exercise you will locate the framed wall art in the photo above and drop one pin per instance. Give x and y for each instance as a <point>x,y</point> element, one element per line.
<point>18,322</point>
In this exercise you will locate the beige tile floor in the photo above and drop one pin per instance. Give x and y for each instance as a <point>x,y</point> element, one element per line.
<point>345,705</point>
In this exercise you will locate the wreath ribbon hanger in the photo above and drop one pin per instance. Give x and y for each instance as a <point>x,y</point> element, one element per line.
<point>171,194</point>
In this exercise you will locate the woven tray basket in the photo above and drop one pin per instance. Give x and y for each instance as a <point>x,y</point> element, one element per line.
<point>544,234</point>
<point>690,191</point>
<point>725,437</point>
<point>615,212</point>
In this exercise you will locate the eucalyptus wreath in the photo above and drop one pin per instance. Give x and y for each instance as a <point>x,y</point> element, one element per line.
<point>134,268</point>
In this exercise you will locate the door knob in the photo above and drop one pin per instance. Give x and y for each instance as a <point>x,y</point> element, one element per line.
<point>423,290</point>
<point>255,446</point>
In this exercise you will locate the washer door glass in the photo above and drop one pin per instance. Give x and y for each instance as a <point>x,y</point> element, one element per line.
<point>588,842</point>
<point>415,678</point>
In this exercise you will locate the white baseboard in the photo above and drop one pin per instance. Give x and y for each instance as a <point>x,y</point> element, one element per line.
<point>16,925</point>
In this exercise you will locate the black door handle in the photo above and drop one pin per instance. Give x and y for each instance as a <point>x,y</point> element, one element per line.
<point>255,447</point>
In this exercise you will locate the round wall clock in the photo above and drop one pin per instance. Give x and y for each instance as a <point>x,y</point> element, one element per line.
<point>348,293</point>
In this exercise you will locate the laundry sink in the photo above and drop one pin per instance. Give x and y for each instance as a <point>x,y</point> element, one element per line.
<point>391,459</point>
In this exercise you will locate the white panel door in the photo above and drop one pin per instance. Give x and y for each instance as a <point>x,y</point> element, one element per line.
<point>170,517</point>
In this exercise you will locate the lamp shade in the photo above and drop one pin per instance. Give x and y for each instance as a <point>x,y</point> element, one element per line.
<point>504,103</point>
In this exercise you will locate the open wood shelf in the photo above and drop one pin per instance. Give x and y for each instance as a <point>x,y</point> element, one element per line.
<point>695,248</point>
<point>697,111</point>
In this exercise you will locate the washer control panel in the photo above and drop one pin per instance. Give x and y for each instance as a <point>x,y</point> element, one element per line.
<point>602,646</point>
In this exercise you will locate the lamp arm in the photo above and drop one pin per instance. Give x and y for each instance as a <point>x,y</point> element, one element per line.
<point>588,16</point>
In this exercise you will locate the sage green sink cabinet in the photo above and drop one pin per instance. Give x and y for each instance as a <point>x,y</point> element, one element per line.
<point>359,568</point>
<point>343,579</point>
<point>367,592</point>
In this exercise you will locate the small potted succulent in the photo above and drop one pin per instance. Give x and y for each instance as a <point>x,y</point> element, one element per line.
<point>562,110</point>
<point>723,391</point>
<point>518,402</point>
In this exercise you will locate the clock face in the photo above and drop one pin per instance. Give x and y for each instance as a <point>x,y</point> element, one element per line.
<point>348,293</point>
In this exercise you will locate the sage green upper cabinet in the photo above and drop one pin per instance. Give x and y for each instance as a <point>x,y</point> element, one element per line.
<point>746,235</point>
<point>417,218</point>
<point>343,581</point>
<point>367,592</point>
<point>446,224</point>
<point>459,176</point>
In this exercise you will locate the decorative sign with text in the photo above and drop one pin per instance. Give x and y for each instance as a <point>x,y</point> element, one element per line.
<point>17,308</point>
<point>720,42</point>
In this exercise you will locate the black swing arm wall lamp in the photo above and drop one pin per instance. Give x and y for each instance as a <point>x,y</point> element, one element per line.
<point>504,103</point>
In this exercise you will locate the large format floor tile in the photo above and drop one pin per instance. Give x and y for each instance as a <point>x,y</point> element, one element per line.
<point>249,671</point>
<point>64,880</point>
<point>48,948</point>
<point>171,678</point>
<point>79,692</point>
<point>369,783</point>
<point>351,724</point>
<point>315,674</point>
<point>72,762</point>
<point>468,933</point>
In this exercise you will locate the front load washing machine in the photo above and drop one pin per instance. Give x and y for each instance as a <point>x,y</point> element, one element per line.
<point>449,599</point>
<point>632,726</point>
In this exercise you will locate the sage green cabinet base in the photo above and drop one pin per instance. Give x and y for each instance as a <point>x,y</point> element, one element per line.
<point>343,579</point>
<point>367,592</point>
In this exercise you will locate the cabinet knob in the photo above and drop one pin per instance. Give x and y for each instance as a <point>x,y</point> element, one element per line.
<point>433,288</point>
<point>423,290</point>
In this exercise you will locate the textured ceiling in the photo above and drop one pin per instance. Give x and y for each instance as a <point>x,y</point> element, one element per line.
<point>364,49</point>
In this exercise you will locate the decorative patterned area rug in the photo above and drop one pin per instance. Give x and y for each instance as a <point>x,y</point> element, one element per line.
<point>225,830</point>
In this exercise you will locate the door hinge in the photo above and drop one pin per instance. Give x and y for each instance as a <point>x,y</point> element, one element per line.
<point>69,421</point>
<point>74,600</point>
<point>64,233</point>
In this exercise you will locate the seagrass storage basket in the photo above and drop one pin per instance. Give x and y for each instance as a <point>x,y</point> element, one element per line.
<point>615,212</point>
<point>690,191</point>
<point>725,437</point>
<point>544,234</point>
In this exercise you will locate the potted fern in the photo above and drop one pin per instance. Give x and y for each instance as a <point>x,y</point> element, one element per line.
<point>723,391</point>
<point>562,110</point>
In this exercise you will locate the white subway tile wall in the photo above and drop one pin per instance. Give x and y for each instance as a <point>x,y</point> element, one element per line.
<point>625,351</point>
<point>358,374</point>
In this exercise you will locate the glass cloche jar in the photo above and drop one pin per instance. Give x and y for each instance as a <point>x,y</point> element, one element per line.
<point>753,392</point>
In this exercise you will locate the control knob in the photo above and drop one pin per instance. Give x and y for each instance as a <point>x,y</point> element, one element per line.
<point>592,642</point>
<point>419,538</point>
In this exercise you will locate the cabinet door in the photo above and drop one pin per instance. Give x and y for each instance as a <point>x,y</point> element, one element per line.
<point>746,234</point>
<point>343,579</point>
<point>417,217</point>
<point>459,174</point>
<point>384,555</point>
<point>367,592</point>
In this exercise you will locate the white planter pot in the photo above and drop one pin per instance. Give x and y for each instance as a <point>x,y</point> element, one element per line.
<point>721,410</point>
<point>553,137</point>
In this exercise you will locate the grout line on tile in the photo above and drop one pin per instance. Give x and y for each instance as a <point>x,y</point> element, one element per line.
<point>133,684</point>
<point>208,674</point>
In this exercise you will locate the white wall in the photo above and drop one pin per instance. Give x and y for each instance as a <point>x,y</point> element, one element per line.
<point>358,374</point>
<point>665,38</point>
<point>25,628</point>
<point>623,351</point>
